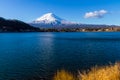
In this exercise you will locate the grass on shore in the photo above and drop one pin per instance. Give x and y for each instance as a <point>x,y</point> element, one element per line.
<point>64,75</point>
<point>110,72</point>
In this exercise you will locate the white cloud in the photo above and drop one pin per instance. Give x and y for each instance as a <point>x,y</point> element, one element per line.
<point>96,14</point>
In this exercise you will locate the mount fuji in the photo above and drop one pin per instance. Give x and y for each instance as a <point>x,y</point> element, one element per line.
<point>50,20</point>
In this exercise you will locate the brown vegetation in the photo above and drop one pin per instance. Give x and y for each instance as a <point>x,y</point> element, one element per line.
<point>110,72</point>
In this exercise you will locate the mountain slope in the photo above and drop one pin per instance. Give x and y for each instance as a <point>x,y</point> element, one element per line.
<point>50,19</point>
<point>15,26</point>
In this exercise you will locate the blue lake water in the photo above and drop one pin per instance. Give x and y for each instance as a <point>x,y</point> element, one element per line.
<point>28,56</point>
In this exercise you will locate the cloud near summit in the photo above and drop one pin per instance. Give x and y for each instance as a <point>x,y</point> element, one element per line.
<point>96,14</point>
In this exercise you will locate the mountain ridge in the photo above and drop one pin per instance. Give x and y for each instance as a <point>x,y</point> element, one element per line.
<point>50,19</point>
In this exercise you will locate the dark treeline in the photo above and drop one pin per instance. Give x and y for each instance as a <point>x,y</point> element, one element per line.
<point>15,26</point>
<point>105,29</point>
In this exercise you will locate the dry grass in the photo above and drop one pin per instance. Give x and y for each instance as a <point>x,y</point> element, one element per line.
<point>64,75</point>
<point>110,72</point>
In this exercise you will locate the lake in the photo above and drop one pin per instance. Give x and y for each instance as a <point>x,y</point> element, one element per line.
<point>28,56</point>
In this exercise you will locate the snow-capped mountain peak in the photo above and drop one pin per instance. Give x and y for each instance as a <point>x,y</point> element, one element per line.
<point>48,18</point>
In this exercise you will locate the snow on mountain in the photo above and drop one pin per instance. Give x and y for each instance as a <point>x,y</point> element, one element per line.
<point>51,20</point>
<point>48,18</point>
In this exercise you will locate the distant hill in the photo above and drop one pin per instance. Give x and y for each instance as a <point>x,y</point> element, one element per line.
<point>7,25</point>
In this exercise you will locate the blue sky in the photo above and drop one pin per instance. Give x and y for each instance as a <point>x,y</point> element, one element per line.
<point>72,10</point>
